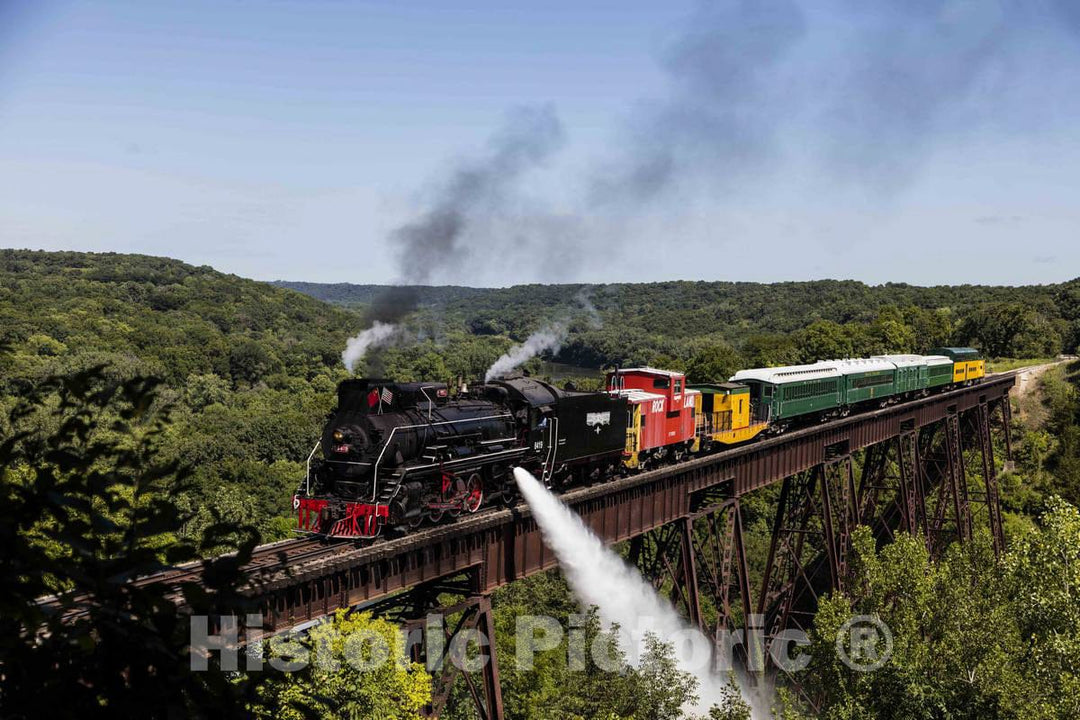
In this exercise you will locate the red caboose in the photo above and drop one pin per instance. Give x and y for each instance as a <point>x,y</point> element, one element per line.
<point>662,418</point>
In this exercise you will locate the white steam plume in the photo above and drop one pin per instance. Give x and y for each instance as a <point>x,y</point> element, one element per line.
<point>550,338</point>
<point>357,346</point>
<point>600,577</point>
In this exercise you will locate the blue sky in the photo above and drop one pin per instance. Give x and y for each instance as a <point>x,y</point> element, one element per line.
<point>931,142</point>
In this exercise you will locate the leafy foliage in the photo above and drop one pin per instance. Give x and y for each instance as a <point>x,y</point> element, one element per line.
<point>973,637</point>
<point>249,370</point>
<point>95,487</point>
<point>554,688</point>
<point>781,323</point>
<point>356,668</point>
<point>86,505</point>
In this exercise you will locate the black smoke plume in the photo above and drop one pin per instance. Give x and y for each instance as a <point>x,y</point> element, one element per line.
<point>920,74</point>
<point>444,235</point>
<point>869,88</point>
<point>439,239</point>
<point>720,112</point>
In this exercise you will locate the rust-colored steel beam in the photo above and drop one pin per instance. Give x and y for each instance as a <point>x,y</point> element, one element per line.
<point>1006,423</point>
<point>986,451</point>
<point>705,552</point>
<point>957,473</point>
<point>473,614</point>
<point>689,573</point>
<point>837,482</point>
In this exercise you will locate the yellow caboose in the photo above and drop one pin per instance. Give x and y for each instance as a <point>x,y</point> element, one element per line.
<point>724,415</point>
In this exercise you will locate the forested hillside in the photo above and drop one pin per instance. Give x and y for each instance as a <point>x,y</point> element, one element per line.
<point>710,328</point>
<point>249,369</point>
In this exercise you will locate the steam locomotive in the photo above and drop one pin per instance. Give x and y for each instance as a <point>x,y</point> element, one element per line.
<point>396,455</point>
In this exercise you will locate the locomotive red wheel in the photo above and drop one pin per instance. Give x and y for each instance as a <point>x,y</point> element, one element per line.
<point>474,493</point>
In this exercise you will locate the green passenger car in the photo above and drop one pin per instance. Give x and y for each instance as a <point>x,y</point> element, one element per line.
<point>939,370</point>
<point>958,354</point>
<point>864,380</point>
<point>913,372</point>
<point>834,386</point>
<point>787,392</point>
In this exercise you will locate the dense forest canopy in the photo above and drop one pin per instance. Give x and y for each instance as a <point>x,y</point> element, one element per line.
<point>248,369</point>
<point>721,326</point>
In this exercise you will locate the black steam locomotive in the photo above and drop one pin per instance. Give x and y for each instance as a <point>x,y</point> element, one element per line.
<point>396,454</point>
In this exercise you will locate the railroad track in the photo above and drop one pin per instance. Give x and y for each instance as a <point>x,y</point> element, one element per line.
<point>272,562</point>
<point>264,557</point>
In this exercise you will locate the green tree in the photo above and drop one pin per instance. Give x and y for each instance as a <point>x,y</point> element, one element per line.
<point>1044,584</point>
<point>715,362</point>
<point>931,328</point>
<point>550,689</point>
<point>770,351</point>
<point>1010,329</point>
<point>206,389</point>
<point>824,340</point>
<point>972,636</point>
<point>87,505</point>
<point>356,668</point>
<point>430,367</point>
<point>890,334</point>
<point>250,362</point>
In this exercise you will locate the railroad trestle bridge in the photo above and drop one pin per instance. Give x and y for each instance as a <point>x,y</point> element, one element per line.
<point>900,468</point>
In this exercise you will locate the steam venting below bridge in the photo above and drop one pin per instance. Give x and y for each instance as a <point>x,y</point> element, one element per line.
<point>599,577</point>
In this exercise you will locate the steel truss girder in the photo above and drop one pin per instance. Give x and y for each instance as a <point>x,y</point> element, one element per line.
<point>992,496</point>
<point>911,482</point>
<point>790,580</point>
<point>927,496</point>
<point>704,551</point>
<point>839,513</point>
<point>1006,425</point>
<point>473,613</point>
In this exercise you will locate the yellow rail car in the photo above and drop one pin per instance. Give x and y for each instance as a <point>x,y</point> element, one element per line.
<point>724,415</point>
<point>967,365</point>
<point>970,370</point>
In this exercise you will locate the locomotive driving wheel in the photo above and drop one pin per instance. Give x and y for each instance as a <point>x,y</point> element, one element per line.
<point>474,493</point>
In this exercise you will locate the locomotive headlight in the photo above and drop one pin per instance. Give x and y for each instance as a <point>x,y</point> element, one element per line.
<point>339,436</point>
